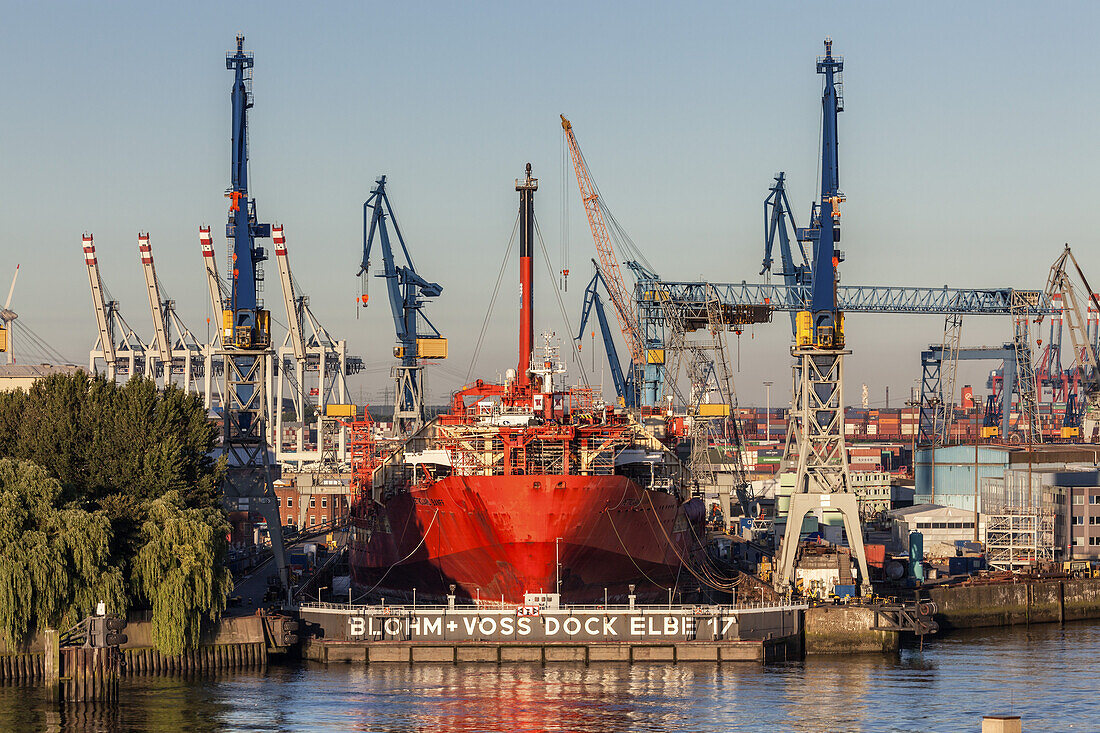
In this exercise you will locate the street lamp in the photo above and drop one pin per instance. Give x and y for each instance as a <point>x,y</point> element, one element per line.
<point>768,411</point>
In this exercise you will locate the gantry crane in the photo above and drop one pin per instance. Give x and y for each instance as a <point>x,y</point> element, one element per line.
<point>127,358</point>
<point>407,292</point>
<point>815,437</point>
<point>314,367</point>
<point>246,335</point>
<point>176,349</point>
<point>1083,415</point>
<point>219,297</point>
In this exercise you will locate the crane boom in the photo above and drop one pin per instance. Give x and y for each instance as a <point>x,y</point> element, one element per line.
<point>106,338</point>
<point>152,288</point>
<point>612,274</point>
<point>11,290</point>
<point>624,388</point>
<point>294,324</point>
<point>217,301</point>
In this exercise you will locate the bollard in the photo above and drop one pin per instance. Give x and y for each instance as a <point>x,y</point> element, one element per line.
<point>1002,724</point>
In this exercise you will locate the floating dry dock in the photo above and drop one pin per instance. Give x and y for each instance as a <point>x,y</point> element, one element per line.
<point>451,635</point>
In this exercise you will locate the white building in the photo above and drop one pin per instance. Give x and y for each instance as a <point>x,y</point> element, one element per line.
<point>936,523</point>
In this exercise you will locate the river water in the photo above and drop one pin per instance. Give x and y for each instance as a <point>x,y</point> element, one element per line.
<point>1048,675</point>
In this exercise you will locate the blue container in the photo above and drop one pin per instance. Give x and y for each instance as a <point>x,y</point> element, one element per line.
<point>844,591</point>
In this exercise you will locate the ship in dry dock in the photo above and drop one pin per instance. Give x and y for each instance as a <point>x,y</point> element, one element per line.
<point>527,486</point>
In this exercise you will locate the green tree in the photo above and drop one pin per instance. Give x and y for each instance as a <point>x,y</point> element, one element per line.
<point>55,563</point>
<point>179,571</point>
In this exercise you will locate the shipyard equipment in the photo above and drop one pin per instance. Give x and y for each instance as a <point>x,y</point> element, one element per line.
<point>408,293</point>
<point>624,388</point>
<point>815,438</point>
<point>312,368</point>
<point>126,357</point>
<point>219,297</point>
<point>246,335</point>
<point>7,319</point>
<point>1083,410</point>
<point>175,352</point>
<point>645,362</point>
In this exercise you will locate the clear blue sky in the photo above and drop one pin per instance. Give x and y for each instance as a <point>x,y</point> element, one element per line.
<point>968,152</point>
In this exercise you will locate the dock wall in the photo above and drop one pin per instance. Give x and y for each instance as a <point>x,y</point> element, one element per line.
<point>1006,604</point>
<point>846,630</point>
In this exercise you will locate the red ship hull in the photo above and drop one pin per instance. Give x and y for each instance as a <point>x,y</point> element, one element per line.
<point>496,538</point>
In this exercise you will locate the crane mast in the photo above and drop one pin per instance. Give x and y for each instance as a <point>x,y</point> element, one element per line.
<point>289,299</point>
<point>152,289</point>
<point>213,281</point>
<point>246,335</point>
<point>815,436</point>
<point>100,305</point>
<point>609,262</point>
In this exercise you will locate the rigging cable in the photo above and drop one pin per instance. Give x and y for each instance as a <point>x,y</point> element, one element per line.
<point>492,301</point>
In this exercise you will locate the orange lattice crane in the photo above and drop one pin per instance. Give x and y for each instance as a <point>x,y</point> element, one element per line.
<point>609,263</point>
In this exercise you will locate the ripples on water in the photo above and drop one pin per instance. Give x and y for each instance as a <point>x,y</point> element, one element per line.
<point>1048,675</point>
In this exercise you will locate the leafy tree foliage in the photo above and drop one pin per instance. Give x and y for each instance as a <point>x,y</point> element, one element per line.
<point>179,570</point>
<point>130,475</point>
<point>55,563</point>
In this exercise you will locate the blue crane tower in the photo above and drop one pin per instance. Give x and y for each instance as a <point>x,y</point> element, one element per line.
<point>408,292</point>
<point>246,335</point>
<point>624,388</point>
<point>815,441</point>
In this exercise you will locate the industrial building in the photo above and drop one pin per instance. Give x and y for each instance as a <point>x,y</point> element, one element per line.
<point>22,376</point>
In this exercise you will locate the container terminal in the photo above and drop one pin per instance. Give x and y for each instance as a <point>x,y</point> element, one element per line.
<point>536,519</point>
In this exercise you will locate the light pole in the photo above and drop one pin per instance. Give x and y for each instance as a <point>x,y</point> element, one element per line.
<point>768,411</point>
<point>557,567</point>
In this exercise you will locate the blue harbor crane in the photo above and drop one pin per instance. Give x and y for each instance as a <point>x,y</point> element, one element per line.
<point>624,388</point>
<point>777,213</point>
<point>246,335</point>
<point>408,292</point>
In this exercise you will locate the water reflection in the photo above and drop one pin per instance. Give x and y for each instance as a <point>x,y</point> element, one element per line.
<point>1047,674</point>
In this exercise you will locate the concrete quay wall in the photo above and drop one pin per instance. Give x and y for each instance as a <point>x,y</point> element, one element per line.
<point>846,630</point>
<point>1006,604</point>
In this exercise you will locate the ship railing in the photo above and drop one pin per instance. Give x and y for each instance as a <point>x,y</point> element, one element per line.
<point>695,609</point>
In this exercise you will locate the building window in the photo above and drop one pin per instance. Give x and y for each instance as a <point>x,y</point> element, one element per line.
<point>278,501</point>
<point>312,520</point>
<point>1094,499</point>
<point>1094,541</point>
<point>1078,541</point>
<point>312,502</point>
<point>1094,520</point>
<point>1077,520</point>
<point>324,502</point>
<point>1078,499</point>
<point>289,521</point>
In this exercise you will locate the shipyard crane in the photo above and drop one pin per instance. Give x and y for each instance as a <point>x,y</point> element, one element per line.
<point>777,215</point>
<point>408,293</point>
<point>1084,414</point>
<point>127,357</point>
<point>625,311</point>
<point>7,321</point>
<point>246,334</point>
<point>308,351</point>
<point>624,388</point>
<point>815,439</point>
<point>171,337</point>
<point>219,297</point>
